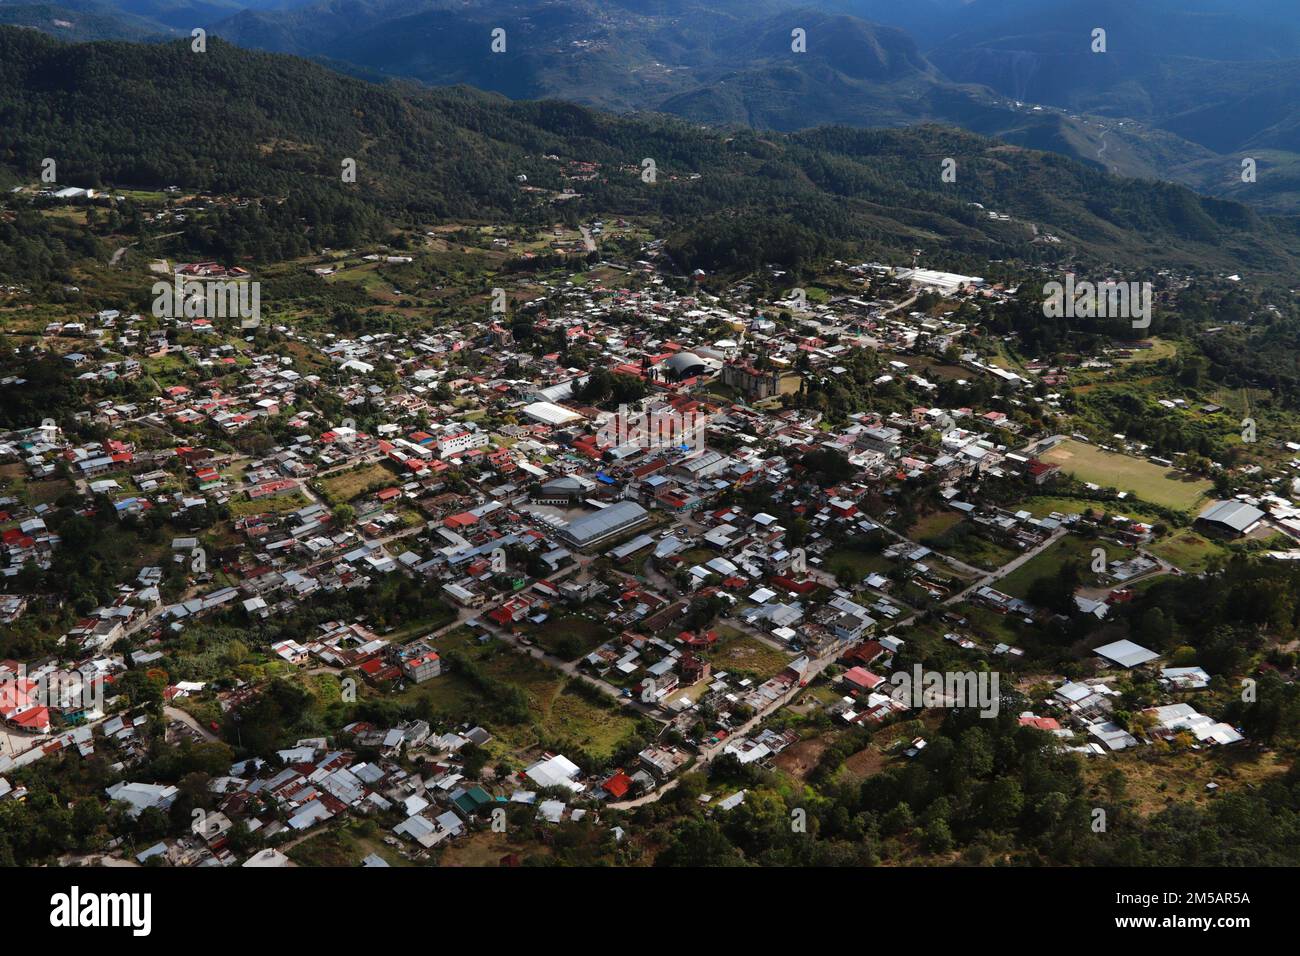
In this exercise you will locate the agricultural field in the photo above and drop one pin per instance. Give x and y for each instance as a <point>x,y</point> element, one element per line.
<point>1154,483</point>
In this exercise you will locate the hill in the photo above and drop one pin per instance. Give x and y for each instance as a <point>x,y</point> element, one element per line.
<point>243,123</point>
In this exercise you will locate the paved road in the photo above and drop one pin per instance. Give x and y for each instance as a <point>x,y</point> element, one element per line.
<point>989,577</point>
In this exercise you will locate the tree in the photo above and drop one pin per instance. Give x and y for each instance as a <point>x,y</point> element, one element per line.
<point>938,838</point>
<point>699,843</point>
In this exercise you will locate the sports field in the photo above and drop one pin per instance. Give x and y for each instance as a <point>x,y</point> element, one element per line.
<point>1154,483</point>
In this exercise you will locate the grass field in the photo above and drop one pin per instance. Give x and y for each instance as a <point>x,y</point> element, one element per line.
<point>1179,779</point>
<point>1160,349</point>
<point>1050,562</point>
<point>342,488</point>
<point>935,523</point>
<point>1044,505</point>
<point>977,550</point>
<point>861,562</point>
<point>345,845</point>
<point>558,714</point>
<point>1188,551</point>
<point>570,636</point>
<point>737,652</point>
<point>277,505</point>
<point>1153,483</point>
<point>990,626</point>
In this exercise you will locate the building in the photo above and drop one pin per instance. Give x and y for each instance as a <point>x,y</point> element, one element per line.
<point>550,414</point>
<point>419,662</point>
<point>684,365</point>
<point>946,282</point>
<point>757,384</point>
<point>590,530</point>
<point>555,771</point>
<point>662,762</point>
<point>1233,519</point>
<point>1125,653</point>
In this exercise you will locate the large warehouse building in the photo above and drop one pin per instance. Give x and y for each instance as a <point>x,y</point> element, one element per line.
<point>1231,518</point>
<point>591,529</point>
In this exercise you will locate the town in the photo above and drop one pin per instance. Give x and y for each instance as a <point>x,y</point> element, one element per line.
<point>516,564</point>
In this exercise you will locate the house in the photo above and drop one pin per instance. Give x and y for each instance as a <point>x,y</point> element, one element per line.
<point>662,762</point>
<point>849,626</point>
<point>555,771</point>
<point>1230,519</point>
<point>419,662</point>
<point>1185,678</point>
<point>618,785</point>
<point>1042,472</point>
<point>861,679</point>
<point>140,797</point>
<point>291,651</point>
<point>694,669</point>
<point>1040,723</point>
<point>1173,719</point>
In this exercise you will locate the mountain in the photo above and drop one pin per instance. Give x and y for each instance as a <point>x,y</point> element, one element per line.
<point>1017,69</point>
<point>255,124</point>
<point>725,63</point>
<point>1185,91</point>
<point>1157,105</point>
<point>81,20</point>
<point>1221,75</point>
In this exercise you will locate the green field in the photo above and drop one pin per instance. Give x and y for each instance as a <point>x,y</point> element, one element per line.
<point>1153,483</point>
<point>1188,551</point>
<point>1049,563</point>
<point>860,562</point>
<point>343,487</point>
<point>277,505</point>
<point>1041,506</point>
<point>345,844</point>
<point>933,524</point>
<point>975,549</point>
<point>559,715</point>
<point>570,636</point>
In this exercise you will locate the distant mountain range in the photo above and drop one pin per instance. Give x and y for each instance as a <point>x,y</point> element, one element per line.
<point>1185,90</point>
<point>251,123</point>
